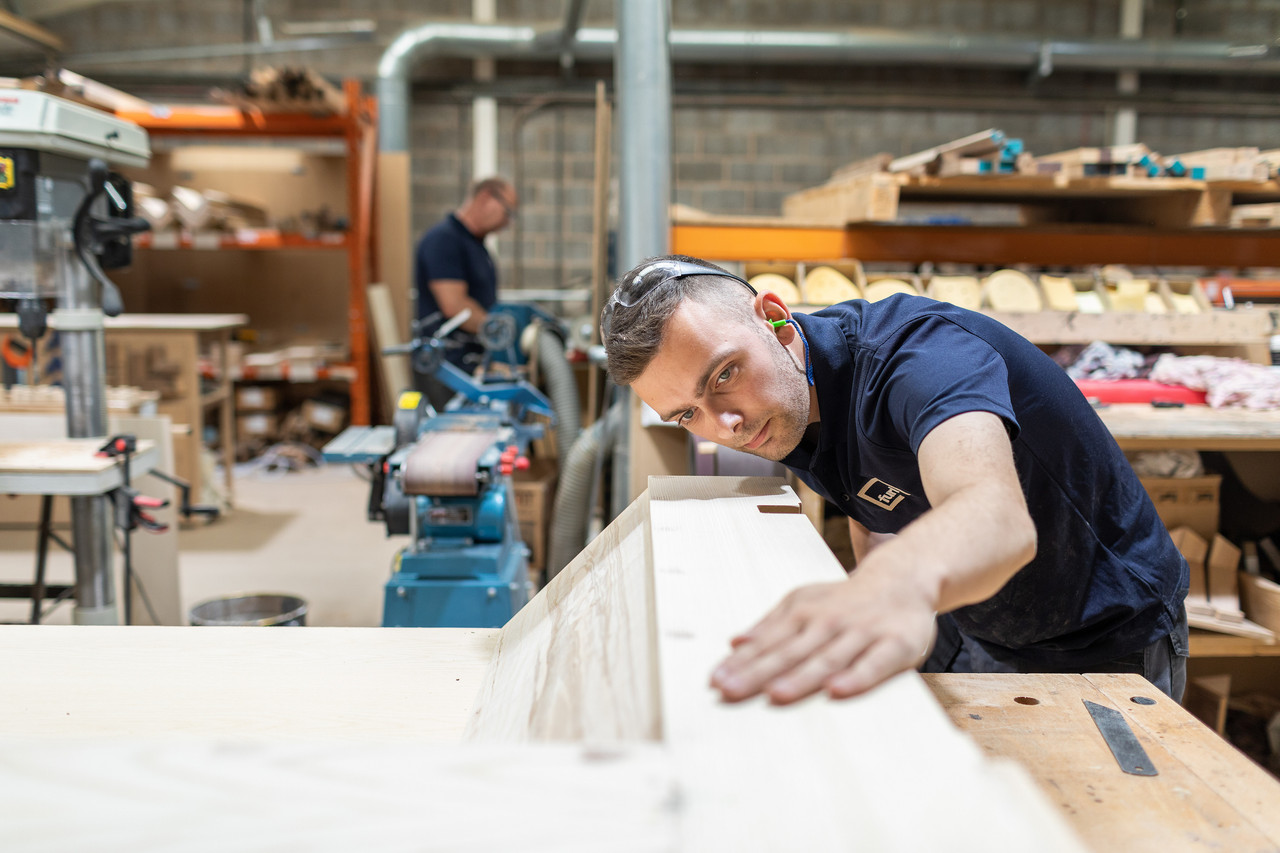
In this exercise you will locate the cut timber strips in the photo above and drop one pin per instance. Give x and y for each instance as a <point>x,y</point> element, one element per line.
<point>1011,290</point>
<point>826,286</point>
<point>1222,565</point>
<point>775,283</point>
<point>819,774</point>
<point>962,290</point>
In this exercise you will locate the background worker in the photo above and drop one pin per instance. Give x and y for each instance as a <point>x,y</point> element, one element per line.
<point>454,271</point>
<point>985,497</point>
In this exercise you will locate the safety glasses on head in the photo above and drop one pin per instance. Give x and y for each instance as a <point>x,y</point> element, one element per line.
<point>645,279</point>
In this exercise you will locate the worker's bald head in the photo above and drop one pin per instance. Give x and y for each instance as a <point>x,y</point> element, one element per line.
<point>633,333</point>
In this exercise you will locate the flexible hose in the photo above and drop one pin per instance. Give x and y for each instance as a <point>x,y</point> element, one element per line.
<point>562,389</point>
<point>572,508</point>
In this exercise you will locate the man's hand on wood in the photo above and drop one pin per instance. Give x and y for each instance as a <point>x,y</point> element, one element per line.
<point>844,637</point>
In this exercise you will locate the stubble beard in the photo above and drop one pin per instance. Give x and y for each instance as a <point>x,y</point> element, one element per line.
<point>791,418</point>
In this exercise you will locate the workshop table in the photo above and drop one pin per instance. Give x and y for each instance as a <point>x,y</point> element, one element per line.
<point>66,466</point>
<point>414,686</point>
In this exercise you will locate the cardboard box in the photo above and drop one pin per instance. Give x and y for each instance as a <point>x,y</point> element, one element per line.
<point>1186,501</point>
<point>535,490</point>
<point>1261,600</point>
<point>257,398</point>
<point>257,425</point>
<point>324,417</point>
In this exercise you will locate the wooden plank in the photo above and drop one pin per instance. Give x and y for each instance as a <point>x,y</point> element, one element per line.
<point>30,31</point>
<point>65,456</point>
<point>395,371</point>
<point>982,142</point>
<point>824,775</point>
<point>403,685</point>
<point>599,240</point>
<point>1206,797</point>
<point>576,663</point>
<point>1140,427</point>
<point>205,796</point>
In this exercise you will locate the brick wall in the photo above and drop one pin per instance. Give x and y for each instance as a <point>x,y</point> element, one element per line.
<point>744,135</point>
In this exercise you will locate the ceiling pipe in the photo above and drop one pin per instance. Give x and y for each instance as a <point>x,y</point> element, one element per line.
<point>844,47</point>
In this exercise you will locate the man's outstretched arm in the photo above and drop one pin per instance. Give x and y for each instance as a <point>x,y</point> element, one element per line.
<point>848,636</point>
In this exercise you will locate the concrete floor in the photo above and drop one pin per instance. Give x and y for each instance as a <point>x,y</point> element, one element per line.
<point>302,533</point>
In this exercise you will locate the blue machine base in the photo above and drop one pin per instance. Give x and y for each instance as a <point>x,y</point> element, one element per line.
<point>484,601</point>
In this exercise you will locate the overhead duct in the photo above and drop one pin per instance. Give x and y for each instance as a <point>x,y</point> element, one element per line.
<point>843,47</point>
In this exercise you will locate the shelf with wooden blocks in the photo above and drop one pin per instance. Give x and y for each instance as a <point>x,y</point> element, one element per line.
<point>1164,202</point>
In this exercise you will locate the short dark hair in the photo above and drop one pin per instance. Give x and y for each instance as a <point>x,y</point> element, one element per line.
<point>493,185</point>
<point>636,333</point>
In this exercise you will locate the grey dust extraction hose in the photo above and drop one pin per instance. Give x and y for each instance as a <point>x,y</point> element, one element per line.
<point>572,508</point>
<point>562,388</point>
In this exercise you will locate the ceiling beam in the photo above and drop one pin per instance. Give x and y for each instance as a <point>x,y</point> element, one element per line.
<point>24,29</point>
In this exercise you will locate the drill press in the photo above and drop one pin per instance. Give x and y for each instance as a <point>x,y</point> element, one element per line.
<point>64,219</point>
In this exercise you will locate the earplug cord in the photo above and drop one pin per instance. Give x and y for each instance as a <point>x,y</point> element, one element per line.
<point>808,365</point>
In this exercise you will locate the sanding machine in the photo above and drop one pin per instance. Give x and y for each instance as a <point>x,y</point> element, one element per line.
<point>444,479</point>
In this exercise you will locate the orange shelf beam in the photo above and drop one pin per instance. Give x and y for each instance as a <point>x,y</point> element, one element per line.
<point>1046,245</point>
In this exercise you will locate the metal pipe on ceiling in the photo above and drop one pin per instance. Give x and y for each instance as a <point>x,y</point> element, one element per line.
<point>844,47</point>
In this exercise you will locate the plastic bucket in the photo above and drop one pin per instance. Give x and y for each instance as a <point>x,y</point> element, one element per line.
<point>265,609</point>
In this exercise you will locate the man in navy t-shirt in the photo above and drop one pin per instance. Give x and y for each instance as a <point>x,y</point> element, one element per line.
<point>454,271</point>
<point>997,525</point>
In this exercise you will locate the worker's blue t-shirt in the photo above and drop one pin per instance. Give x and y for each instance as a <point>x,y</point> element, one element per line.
<point>1106,580</point>
<point>449,251</point>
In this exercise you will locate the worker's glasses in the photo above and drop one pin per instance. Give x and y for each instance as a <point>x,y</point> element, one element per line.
<point>644,280</point>
<point>510,211</point>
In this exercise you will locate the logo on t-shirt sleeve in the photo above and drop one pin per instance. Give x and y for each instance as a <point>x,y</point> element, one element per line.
<point>882,494</point>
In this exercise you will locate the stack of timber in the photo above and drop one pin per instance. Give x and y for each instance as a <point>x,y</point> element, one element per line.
<point>594,729</point>
<point>1122,184</point>
<point>285,90</point>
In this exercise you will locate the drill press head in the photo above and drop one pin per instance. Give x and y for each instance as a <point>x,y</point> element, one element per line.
<point>46,147</point>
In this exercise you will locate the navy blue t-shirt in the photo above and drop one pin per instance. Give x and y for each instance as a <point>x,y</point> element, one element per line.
<point>1106,580</point>
<point>450,251</point>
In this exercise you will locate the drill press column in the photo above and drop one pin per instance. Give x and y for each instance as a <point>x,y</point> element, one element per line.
<point>63,219</point>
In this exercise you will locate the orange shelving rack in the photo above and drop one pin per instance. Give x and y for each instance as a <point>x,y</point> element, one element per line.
<point>357,127</point>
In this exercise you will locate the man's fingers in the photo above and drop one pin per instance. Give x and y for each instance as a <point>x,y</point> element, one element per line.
<point>746,672</point>
<point>878,663</point>
<point>812,674</point>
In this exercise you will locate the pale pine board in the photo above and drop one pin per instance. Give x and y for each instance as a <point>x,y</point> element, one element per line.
<point>344,684</point>
<point>215,795</point>
<point>885,771</point>
<point>576,663</point>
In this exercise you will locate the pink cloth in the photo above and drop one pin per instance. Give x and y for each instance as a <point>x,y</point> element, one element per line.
<point>1228,382</point>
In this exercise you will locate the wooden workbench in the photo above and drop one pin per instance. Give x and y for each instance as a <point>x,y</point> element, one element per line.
<point>358,689</point>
